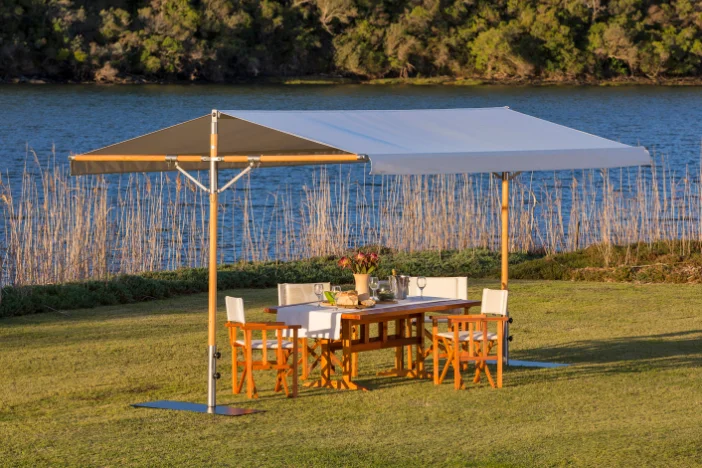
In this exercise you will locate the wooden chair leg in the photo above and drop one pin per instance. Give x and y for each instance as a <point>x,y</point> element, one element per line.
<point>235,368</point>
<point>478,364</point>
<point>488,374</point>
<point>500,354</point>
<point>294,363</point>
<point>278,380</point>
<point>284,382</point>
<point>446,345</point>
<point>435,351</point>
<point>241,382</point>
<point>250,391</point>
<point>456,360</point>
<point>305,358</point>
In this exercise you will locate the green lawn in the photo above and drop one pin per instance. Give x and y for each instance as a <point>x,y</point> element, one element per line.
<point>633,396</point>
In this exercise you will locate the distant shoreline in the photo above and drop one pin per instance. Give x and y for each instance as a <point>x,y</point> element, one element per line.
<point>322,80</point>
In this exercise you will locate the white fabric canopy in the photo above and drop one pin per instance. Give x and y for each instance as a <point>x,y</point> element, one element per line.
<point>444,141</point>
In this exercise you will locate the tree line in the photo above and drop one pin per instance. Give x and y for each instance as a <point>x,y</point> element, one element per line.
<point>222,40</point>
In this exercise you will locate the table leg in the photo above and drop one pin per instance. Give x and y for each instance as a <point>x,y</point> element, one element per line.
<point>347,357</point>
<point>408,333</point>
<point>419,330</point>
<point>325,366</point>
<point>399,357</point>
<point>403,329</point>
<point>354,356</point>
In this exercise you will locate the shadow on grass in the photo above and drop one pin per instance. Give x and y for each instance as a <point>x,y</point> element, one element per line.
<point>633,354</point>
<point>684,346</point>
<point>594,357</point>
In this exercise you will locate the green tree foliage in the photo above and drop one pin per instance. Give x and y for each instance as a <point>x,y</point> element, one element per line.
<point>221,40</point>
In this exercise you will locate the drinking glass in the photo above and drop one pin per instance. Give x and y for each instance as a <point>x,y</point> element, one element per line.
<point>336,290</point>
<point>319,292</point>
<point>421,284</point>
<point>374,283</point>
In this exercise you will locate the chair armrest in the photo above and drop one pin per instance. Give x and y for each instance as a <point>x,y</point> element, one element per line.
<point>499,319</point>
<point>458,318</point>
<point>269,326</point>
<point>466,318</point>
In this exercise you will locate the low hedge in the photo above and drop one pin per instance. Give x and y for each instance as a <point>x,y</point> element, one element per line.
<point>146,286</point>
<point>670,262</point>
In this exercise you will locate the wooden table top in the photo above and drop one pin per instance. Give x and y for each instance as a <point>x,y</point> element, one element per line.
<point>399,310</point>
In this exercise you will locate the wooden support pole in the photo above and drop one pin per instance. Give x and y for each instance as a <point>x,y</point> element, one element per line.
<point>212,309</point>
<point>505,230</point>
<point>212,289</point>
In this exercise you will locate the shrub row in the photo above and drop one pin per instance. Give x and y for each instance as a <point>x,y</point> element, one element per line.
<point>658,262</point>
<point>126,289</point>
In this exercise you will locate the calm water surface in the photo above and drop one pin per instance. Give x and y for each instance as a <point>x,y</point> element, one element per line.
<point>78,118</point>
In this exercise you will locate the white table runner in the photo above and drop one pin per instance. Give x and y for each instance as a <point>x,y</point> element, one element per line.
<point>325,322</point>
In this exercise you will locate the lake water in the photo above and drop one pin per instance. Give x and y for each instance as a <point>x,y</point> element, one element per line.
<point>78,118</point>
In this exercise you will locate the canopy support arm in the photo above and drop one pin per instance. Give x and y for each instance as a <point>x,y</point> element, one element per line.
<point>236,177</point>
<point>190,177</point>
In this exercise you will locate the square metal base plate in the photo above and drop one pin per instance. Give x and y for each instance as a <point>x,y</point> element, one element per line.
<point>196,408</point>
<point>544,365</point>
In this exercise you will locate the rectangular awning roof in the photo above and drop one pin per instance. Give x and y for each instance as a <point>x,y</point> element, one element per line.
<point>426,141</point>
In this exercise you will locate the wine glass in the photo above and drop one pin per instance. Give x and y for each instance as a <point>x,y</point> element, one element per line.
<point>319,291</point>
<point>421,284</point>
<point>336,290</point>
<point>374,283</point>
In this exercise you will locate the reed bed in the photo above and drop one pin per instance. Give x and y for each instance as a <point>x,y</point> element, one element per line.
<point>59,228</point>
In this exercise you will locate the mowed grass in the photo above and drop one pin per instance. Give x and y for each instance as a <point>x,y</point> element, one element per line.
<point>632,397</point>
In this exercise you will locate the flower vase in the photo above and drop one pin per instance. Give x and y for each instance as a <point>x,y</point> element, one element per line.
<point>362,286</point>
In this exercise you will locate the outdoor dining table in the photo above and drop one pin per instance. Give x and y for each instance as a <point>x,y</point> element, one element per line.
<point>358,330</point>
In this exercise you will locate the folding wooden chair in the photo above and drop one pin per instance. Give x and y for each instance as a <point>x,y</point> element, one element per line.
<point>448,287</point>
<point>470,340</point>
<point>301,293</point>
<point>281,348</point>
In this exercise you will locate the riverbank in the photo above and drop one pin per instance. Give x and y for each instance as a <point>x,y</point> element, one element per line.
<point>322,80</point>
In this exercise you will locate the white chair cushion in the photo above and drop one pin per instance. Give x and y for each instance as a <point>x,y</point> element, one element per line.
<point>463,336</point>
<point>270,344</point>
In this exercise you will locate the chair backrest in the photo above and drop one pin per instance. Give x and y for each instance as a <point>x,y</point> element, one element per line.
<point>290,293</point>
<point>449,287</point>
<point>235,309</point>
<point>494,302</point>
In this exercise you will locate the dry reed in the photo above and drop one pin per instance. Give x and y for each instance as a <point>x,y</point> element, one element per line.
<point>59,228</point>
